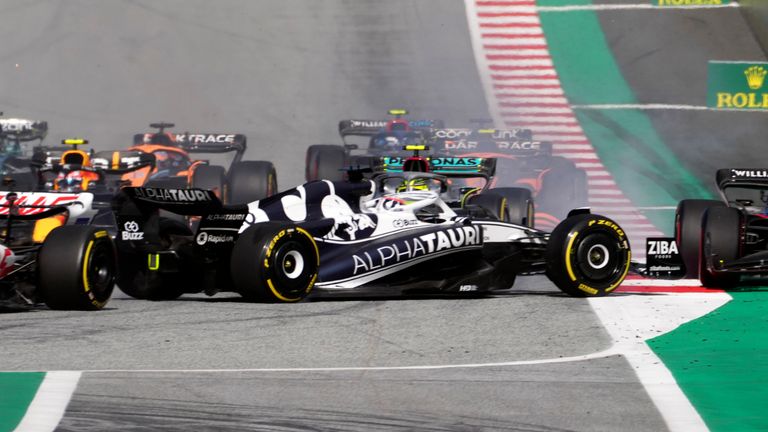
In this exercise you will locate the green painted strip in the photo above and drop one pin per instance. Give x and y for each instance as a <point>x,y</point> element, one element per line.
<point>17,389</point>
<point>721,362</point>
<point>625,140</point>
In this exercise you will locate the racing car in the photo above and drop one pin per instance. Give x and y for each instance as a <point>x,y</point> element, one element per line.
<point>17,169</point>
<point>49,252</point>
<point>719,241</point>
<point>469,181</point>
<point>378,236</point>
<point>385,138</point>
<point>68,168</point>
<point>243,182</point>
<point>556,183</point>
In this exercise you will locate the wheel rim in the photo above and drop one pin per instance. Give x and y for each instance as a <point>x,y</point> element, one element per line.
<point>598,258</point>
<point>293,268</point>
<point>292,264</point>
<point>100,271</point>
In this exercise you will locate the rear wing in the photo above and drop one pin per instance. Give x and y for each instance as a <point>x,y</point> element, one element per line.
<point>518,142</point>
<point>198,142</point>
<point>186,202</point>
<point>23,130</point>
<point>137,212</point>
<point>40,205</point>
<point>121,162</point>
<point>372,127</point>
<point>448,166</point>
<point>741,176</point>
<point>49,155</point>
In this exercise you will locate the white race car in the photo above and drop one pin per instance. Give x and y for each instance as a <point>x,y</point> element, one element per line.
<point>389,235</point>
<point>50,253</point>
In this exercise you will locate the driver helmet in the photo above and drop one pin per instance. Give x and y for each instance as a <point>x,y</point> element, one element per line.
<point>412,185</point>
<point>386,141</point>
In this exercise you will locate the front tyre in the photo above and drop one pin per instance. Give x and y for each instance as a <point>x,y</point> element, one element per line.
<point>76,268</point>
<point>587,256</point>
<point>273,262</point>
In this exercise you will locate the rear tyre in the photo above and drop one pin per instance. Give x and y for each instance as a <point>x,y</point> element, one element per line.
<point>720,240</point>
<point>210,177</point>
<point>587,256</point>
<point>688,231</point>
<point>76,268</point>
<point>325,162</point>
<point>273,262</point>
<point>493,204</point>
<point>519,205</point>
<point>134,275</point>
<point>250,181</point>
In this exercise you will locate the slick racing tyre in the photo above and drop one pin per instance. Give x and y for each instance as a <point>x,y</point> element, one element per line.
<point>76,268</point>
<point>587,256</point>
<point>519,204</point>
<point>273,262</point>
<point>134,278</point>
<point>325,162</point>
<point>210,177</point>
<point>250,181</point>
<point>688,229</point>
<point>494,205</point>
<point>721,241</point>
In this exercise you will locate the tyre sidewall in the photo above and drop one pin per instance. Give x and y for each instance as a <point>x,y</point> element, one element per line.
<point>67,268</point>
<point>259,259</point>
<point>720,236</point>
<point>567,264</point>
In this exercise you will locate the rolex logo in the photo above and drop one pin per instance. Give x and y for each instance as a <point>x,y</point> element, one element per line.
<point>755,76</point>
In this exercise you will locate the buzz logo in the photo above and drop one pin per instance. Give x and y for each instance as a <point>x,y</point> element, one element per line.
<point>131,231</point>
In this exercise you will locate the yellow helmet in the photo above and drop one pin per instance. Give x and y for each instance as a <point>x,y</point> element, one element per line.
<point>412,185</point>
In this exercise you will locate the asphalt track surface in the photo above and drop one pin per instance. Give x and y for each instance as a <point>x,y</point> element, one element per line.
<point>284,73</point>
<point>663,55</point>
<point>224,336</point>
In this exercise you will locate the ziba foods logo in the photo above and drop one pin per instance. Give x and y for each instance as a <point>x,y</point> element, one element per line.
<point>737,85</point>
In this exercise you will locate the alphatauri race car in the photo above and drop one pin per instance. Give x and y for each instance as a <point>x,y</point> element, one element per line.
<point>50,253</point>
<point>719,241</point>
<point>388,235</point>
<point>384,138</point>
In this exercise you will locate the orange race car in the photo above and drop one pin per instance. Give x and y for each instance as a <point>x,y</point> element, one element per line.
<point>244,182</point>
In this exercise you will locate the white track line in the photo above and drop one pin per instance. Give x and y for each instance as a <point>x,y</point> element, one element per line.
<point>640,6</point>
<point>632,320</point>
<point>673,107</point>
<point>50,402</point>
